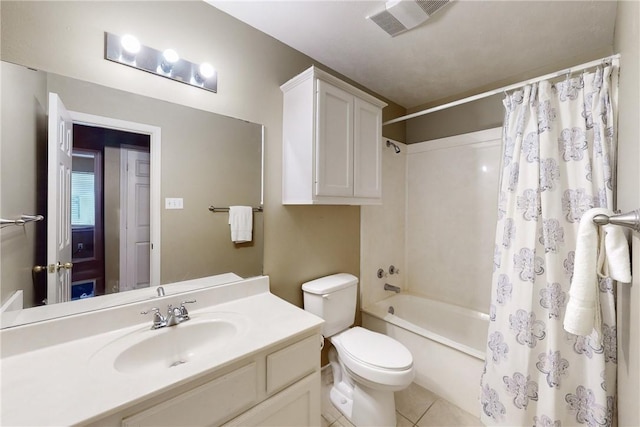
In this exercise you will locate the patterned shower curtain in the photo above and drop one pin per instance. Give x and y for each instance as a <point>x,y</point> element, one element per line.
<point>558,162</point>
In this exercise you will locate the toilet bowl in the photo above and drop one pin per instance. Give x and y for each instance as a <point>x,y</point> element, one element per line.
<point>368,367</point>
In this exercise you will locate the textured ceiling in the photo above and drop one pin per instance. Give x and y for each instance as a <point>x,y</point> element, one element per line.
<point>465,46</point>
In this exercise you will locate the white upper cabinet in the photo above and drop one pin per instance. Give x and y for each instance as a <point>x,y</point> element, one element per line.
<point>332,135</point>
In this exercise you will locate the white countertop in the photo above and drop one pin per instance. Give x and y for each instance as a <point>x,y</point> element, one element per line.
<point>61,383</point>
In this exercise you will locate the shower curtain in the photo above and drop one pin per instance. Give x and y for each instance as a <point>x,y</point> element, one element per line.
<point>558,162</point>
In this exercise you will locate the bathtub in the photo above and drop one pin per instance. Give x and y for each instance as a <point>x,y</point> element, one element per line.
<point>447,343</point>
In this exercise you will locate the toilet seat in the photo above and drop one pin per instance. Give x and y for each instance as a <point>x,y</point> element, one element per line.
<point>375,357</point>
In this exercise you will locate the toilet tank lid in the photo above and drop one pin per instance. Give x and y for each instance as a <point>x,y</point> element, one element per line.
<point>332,283</point>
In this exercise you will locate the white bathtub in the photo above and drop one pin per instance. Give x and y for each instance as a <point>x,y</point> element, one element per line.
<point>447,343</point>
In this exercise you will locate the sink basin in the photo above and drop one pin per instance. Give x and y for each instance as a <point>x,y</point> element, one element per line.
<point>147,351</point>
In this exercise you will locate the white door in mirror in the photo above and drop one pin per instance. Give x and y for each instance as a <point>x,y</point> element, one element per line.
<point>59,201</point>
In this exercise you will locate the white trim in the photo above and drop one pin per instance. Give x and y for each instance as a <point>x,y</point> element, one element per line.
<point>487,136</point>
<point>122,272</point>
<point>489,93</point>
<point>155,134</point>
<point>317,73</point>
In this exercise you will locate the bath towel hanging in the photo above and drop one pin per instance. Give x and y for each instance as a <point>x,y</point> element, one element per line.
<point>241,223</point>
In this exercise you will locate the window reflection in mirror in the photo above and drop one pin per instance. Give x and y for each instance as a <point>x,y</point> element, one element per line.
<point>83,204</point>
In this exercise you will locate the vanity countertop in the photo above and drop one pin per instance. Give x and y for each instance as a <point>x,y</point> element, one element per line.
<point>64,383</point>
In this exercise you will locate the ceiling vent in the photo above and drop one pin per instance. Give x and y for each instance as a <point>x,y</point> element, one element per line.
<point>402,15</point>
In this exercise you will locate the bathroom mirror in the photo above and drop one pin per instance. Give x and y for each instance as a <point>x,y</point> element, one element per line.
<point>206,159</point>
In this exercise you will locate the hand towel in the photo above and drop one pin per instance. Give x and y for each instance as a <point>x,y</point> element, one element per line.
<point>241,223</point>
<point>600,251</point>
<point>616,261</point>
<point>580,316</point>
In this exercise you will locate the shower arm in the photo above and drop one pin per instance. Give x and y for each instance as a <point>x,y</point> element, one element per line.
<point>395,146</point>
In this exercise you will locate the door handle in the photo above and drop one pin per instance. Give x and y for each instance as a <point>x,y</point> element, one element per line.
<point>66,266</point>
<point>52,268</point>
<point>39,268</point>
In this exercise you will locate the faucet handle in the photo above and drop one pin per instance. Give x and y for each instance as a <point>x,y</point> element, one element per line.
<point>159,320</point>
<point>183,309</point>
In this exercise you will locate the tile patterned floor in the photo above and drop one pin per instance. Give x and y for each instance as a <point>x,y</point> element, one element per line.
<point>415,407</point>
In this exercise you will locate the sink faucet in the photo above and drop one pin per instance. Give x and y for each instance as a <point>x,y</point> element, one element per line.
<point>388,287</point>
<point>175,315</point>
<point>159,321</point>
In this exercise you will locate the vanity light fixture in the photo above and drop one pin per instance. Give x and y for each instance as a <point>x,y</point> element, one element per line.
<point>127,50</point>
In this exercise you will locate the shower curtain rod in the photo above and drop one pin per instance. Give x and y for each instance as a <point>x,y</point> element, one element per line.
<point>570,70</point>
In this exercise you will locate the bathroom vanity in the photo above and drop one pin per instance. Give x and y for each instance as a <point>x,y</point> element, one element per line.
<point>245,357</point>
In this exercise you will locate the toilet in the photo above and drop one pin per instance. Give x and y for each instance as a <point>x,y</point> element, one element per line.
<point>368,367</point>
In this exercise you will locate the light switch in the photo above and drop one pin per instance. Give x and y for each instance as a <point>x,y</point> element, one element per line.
<point>173,203</point>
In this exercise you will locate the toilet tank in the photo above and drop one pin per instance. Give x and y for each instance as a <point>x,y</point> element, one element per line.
<point>334,299</point>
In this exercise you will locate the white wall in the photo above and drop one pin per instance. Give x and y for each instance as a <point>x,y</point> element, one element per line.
<point>627,43</point>
<point>451,217</point>
<point>382,233</point>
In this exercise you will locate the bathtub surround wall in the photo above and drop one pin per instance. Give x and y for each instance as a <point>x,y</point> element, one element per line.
<point>383,230</point>
<point>301,243</point>
<point>427,195</point>
<point>451,200</point>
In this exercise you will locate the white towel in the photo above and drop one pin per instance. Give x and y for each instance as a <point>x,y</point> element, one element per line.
<point>615,261</point>
<point>599,251</point>
<point>241,223</point>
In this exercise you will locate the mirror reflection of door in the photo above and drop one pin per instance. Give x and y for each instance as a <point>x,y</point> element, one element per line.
<point>110,211</point>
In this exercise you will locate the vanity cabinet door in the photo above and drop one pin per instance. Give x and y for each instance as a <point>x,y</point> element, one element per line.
<point>291,363</point>
<point>209,404</point>
<point>297,405</point>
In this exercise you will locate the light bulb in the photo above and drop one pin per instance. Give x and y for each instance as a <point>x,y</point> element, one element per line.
<point>171,56</point>
<point>169,59</point>
<point>206,70</point>
<point>130,44</point>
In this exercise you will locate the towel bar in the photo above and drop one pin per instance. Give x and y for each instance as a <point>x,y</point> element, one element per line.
<point>22,221</point>
<point>629,219</point>
<point>214,209</point>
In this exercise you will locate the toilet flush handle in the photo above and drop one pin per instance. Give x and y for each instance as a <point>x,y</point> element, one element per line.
<point>325,296</point>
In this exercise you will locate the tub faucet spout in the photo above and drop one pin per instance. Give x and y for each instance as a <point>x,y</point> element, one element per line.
<point>388,287</point>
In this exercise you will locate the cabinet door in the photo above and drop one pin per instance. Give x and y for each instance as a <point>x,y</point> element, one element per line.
<point>367,150</point>
<point>334,142</point>
<point>297,405</point>
<point>208,404</point>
